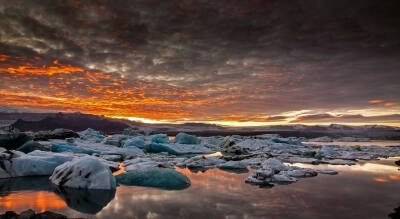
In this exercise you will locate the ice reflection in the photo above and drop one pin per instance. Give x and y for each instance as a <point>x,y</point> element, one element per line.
<point>356,192</point>
<point>85,201</point>
<point>37,193</point>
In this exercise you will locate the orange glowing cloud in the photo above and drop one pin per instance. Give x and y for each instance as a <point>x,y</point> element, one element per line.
<point>375,101</point>
<point>41,70</point>
<point>380,179</point>
<point>67,88</point>
<point>3,57</point>
<point>390,104</point>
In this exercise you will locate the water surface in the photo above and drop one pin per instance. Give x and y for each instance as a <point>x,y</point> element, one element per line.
<point>366,190</point>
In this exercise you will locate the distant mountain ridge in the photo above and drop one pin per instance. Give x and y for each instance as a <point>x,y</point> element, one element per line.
<point>75,122</point>
<point>79,122</point>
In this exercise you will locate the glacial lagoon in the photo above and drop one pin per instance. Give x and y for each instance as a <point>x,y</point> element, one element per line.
<point>368,189</point>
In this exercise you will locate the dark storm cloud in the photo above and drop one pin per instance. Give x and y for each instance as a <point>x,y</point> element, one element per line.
<point>260,56</point>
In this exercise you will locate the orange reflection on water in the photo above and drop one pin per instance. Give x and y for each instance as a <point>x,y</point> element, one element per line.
<point>40,201</point>
<point>121,169</point>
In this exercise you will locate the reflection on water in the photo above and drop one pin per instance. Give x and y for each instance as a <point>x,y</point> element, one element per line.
<point>19,194</point>
<point>85,201</point>
<point>365,190</point>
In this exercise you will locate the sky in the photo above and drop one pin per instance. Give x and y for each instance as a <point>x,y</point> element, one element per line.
<point>229,62</point>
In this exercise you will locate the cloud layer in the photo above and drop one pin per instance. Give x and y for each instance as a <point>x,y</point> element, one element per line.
<point>248,61</point>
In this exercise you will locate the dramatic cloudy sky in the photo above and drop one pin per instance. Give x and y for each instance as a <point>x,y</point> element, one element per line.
<point>238,62</point>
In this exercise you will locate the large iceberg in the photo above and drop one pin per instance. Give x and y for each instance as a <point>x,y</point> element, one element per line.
<point>164,178</point>
<point>183,138</point>
<point>36,163</point>
<point>84,173</point>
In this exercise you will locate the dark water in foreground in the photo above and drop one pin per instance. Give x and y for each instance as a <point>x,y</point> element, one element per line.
<point>366,190</point>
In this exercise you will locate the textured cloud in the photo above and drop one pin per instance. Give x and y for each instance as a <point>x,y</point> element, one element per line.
<point>200,60</point>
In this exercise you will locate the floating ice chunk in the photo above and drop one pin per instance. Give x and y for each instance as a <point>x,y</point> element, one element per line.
<point>274,164</point>
<point>327,171</point>
<point>36,163</point>
<point>339,162</point>
<point>301,172</point>
<point>274,171</point>
<point>201,162</point>
<point>124,152</point>
<point>292,140</point>
<point>93,135</point>
<point>233,165</point>
<point>155,177</point>
<point>84,173</point>
<point>177,149</point>
<point>131,132</point>
<point>135,142</point>
<point>13,140</point>
<point>142,163</point>
<point>281,178</point>
<point>111,157</point>
<point>116,140</point>
<point>67,147</point>
<point>32,146</point>
<point>252,144</point>
<point>328,152</point>
<point>159,138</point>
<point>183,138</point>
<point>303,160</point>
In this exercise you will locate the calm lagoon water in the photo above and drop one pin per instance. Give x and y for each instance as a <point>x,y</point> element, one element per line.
<point>366,190</point>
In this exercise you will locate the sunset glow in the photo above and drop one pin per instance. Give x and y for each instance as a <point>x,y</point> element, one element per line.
<point>104,64</point>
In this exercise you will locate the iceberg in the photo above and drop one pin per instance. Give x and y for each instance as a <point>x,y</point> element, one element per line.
<point>274,171</point>
<point>92,135</point>
<point>13,140</point>
<point>135,142</point>
<point>84,173</point>
<point>67,147</point>
<point>183,138</point>
<point>36,163</point>
<point>163,178</point>
<point>115,140</point>
<point>131,132</point>
<point>159,138</point>
<point>32,146</point>
<point>234,165</point>
<point>201,162</point>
